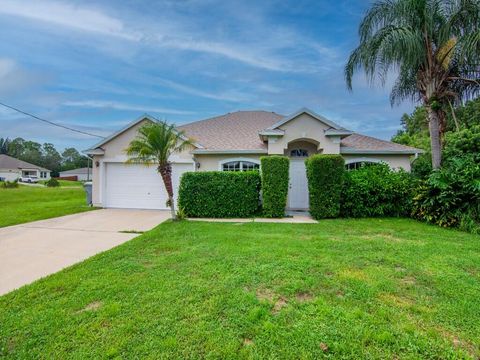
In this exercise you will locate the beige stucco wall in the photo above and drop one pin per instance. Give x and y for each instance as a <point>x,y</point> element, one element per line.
<point>397,161</point>
<point>304,127</point>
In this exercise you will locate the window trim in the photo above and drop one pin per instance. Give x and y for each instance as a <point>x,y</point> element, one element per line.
<point>224,161</point>
<point>367,160</point>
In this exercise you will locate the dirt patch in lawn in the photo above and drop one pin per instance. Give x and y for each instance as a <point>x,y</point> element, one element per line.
<point>304,297</point>
<point>93,306</point>
<point>278,302</point>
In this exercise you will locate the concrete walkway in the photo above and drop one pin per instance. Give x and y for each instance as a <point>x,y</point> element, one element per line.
<point>33,250</point>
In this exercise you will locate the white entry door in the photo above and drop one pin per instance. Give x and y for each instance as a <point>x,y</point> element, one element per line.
<point>298,186</point>
<point>139,186</point>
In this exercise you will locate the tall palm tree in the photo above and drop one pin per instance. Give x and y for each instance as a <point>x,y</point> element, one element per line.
<point>433,45</point>
<point>154,144</point>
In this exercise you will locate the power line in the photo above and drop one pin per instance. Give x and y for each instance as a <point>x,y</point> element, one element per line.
<point>51,122</point>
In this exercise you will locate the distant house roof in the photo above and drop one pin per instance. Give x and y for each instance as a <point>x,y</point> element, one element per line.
<point>79,171</point>
<point>8,162</point>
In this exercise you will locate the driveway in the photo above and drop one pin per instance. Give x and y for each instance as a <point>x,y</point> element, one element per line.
<point>33,250</point>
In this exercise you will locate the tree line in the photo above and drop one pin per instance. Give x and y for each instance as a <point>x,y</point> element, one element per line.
<point>44,155</point>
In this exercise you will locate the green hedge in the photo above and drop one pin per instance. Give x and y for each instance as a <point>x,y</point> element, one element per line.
<point>274,185</point>
<point>375,190</point>
<point>325,177</point>
<point>219,194</point>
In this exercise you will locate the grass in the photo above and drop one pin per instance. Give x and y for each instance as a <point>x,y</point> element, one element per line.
<point>65,183</point>
<point>29,203</point>
<point>370,288</point>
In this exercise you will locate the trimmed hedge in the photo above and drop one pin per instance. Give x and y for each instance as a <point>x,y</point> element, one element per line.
<point>274,185</point>
<point>376,190</point>
<point>219,194</point>
<point>325,178</point>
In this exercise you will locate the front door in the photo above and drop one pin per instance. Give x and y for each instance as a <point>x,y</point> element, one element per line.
<point>298,186</point>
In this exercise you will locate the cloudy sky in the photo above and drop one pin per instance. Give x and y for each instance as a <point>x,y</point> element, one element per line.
<point>97,65</point>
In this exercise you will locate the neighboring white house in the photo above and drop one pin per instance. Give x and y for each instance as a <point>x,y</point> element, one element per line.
<point>11,169</point>
<point>235,142</point>
<point>82,174</point>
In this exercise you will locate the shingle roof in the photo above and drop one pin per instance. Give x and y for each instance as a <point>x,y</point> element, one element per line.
<point>357,142</point>
<point>239,131</point>
<point>8,162</point>
<point>233,131</point>
<point>77,171</point>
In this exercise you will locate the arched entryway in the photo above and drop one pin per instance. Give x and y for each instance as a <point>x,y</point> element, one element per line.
<point>298,151</point>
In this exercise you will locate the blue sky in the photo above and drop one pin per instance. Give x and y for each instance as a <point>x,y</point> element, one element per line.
<point>97,65</point>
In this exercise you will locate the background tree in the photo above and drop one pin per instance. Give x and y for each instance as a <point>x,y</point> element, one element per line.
<point>154,145</point>
<point>434,45</point>
<point>4,145</point>
<point>72,159</point>
<point>51,158</point>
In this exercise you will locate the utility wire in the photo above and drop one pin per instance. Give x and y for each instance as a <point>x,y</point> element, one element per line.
<point>51,122</point>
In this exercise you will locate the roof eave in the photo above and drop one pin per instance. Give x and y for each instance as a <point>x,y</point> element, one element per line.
<point>380,152</point>
<point>229,151</point>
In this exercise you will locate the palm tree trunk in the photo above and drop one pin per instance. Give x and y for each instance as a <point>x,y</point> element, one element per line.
<point>166,173</point>
<point>435,136</point>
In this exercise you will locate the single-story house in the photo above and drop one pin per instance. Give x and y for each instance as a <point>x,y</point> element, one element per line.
<point>235,142</point>
<point>82,174</point>
<point>11,169</point>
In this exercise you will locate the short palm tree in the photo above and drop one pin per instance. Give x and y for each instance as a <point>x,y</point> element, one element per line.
<point>154,144</point>
<point>433,46</point>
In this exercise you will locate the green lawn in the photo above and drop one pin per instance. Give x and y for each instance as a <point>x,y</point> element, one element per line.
<point>369,288</point>
<point>29,203</point>
<point>65,183</point>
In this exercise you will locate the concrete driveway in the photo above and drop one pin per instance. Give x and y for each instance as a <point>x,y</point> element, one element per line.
<point>33,250</point>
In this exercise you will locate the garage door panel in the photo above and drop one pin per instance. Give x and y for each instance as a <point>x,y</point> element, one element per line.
<point>138,186</point>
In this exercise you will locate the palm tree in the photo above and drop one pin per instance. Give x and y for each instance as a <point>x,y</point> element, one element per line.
<point>154,144</point>
<point>433,45</point>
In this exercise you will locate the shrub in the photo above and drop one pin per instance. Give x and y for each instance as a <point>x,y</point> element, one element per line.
<point>325,178</point>
<point>52,183</point>
<point>450,197</point>
<point>422,166</point>
<point>10,184</point>
<point>274,177</point>
<point>376,191</point>
<point>464,142</point>
<point>219,194</point>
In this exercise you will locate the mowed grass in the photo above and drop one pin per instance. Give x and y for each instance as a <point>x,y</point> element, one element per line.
<point>29,203</point>
<point>66,183</point>
<point>370,288</point>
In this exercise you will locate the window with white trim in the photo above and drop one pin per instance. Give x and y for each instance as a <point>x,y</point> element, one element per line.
<point>240,166</point>
<point>359,164</point>
<point>299,153</point>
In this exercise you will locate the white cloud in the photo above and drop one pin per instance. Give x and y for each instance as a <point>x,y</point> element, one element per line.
<point>68,15</point>
<point>271,52</point>
<point>123,106</point>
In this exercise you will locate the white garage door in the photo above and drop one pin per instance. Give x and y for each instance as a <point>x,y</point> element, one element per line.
<point>138,186</point>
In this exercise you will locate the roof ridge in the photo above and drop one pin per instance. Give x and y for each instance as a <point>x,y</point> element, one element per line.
<point>226,114</point>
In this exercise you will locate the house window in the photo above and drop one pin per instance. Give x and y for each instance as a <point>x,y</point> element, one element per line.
<point>240,166</point>
<point>299,153</point>
<point>43,174</point>
<point>359,164</point>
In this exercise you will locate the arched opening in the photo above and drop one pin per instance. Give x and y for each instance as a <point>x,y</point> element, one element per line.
<point>301,148</point>
<point>239,164</point>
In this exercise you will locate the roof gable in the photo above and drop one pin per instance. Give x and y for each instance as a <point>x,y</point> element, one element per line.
<point>307,111</point>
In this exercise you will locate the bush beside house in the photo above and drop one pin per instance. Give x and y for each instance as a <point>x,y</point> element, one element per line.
<point>450,197</point>
<point>376,190</point>
<point>274,177</point>
<point>325,175</point>
<point>218,194</point>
